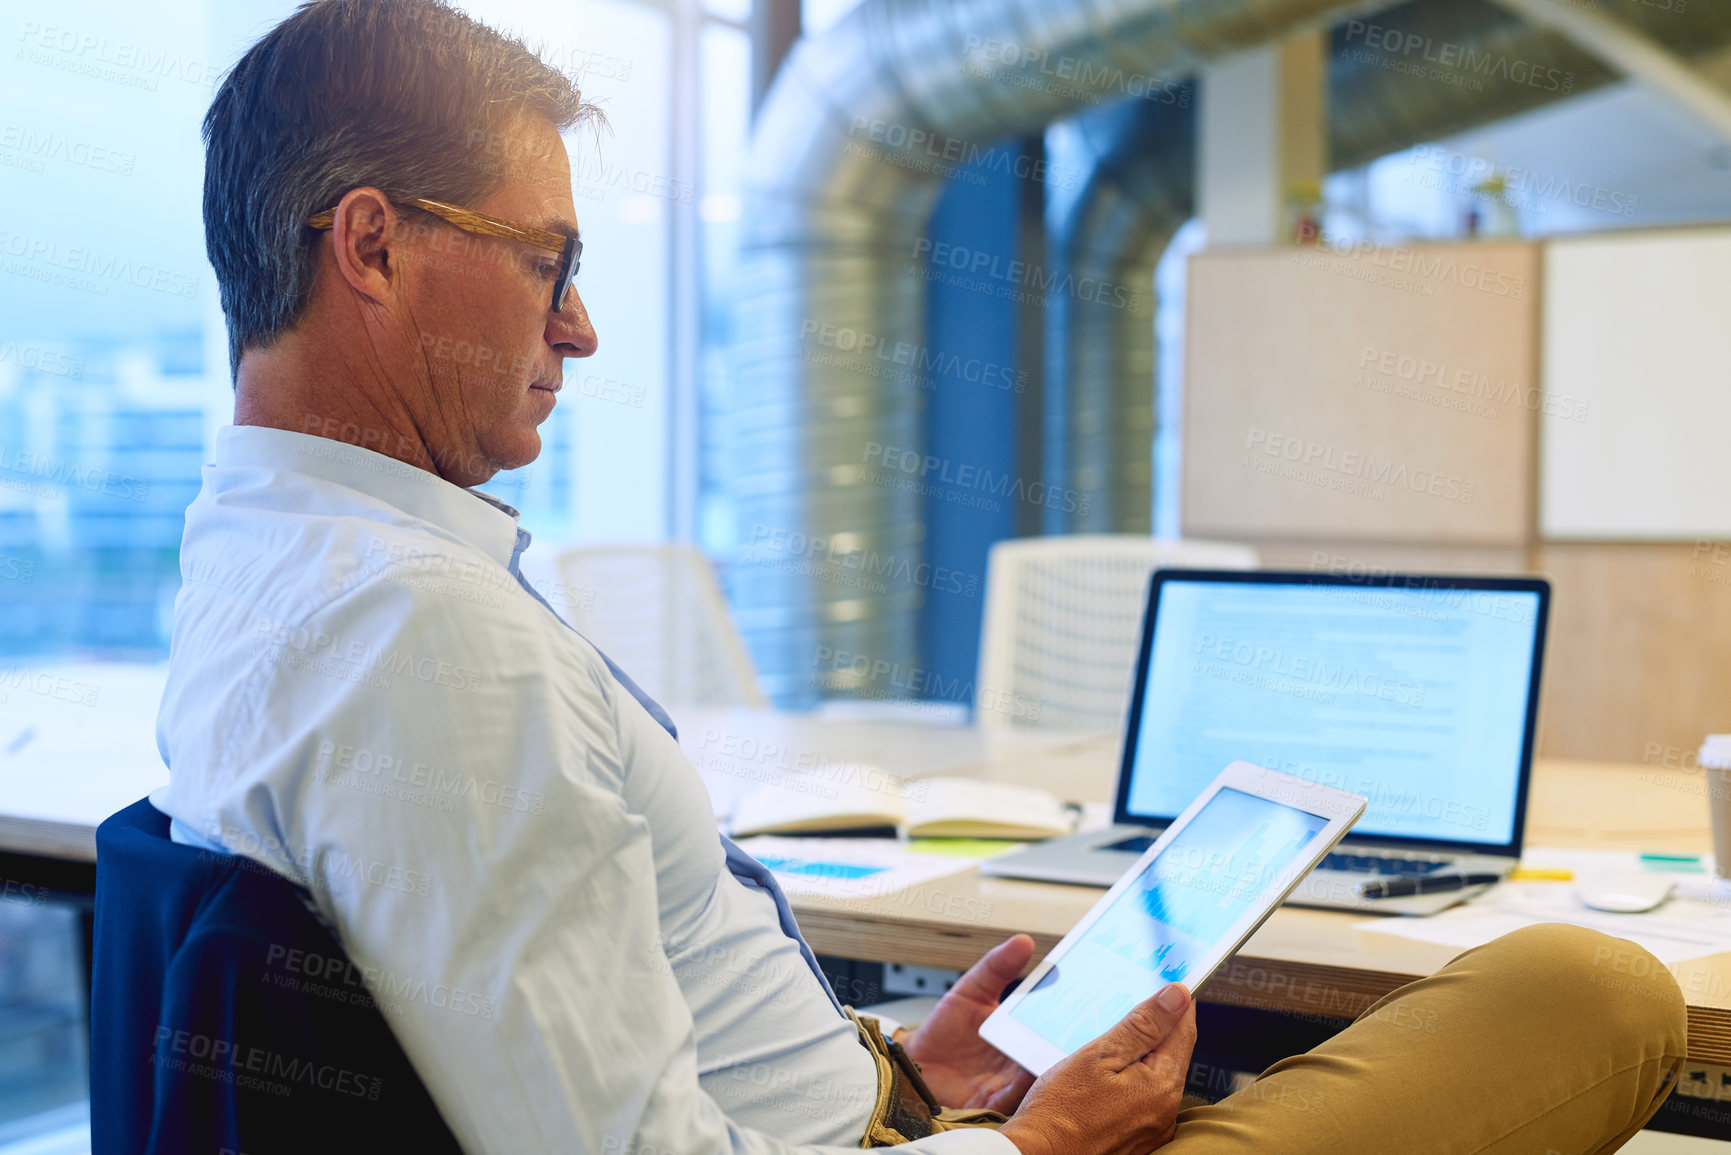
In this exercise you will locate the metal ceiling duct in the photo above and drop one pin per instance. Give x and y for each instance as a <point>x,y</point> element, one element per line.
<point>827,468</point>
<point>1142,186</point>
<point>1100,362</point>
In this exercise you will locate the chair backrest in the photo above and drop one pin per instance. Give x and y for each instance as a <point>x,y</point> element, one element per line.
<point>657,611</point>
<point>1062,619</point>
<point>223,1015</point>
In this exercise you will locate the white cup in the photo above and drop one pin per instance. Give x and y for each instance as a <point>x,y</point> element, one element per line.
<point>1715,760</point>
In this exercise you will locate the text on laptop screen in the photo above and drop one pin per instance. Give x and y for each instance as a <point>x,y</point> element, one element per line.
<point>1415,698</point>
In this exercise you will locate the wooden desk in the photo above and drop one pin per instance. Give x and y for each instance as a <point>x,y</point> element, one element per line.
<point>1307,962</point>
<point>77,743</point>
<point>85,762</point>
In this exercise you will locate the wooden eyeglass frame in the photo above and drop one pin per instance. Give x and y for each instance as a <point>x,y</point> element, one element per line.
<point>570,249</point>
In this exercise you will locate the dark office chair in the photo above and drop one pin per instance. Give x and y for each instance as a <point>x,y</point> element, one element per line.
<point>209,1033</point>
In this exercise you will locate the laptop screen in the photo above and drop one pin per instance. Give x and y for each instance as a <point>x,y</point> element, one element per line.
<point>1416,692</point>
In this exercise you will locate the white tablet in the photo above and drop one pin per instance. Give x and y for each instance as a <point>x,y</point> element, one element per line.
<point>1191,900</point>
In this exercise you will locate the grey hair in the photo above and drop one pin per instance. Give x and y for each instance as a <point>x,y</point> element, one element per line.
<point>407,96</point>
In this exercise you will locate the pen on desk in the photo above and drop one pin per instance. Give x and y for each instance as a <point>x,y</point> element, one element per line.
<point>1401,887</point>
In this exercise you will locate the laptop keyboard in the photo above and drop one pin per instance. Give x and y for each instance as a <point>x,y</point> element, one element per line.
<point>1377,864</point>
<point>1356,863</point>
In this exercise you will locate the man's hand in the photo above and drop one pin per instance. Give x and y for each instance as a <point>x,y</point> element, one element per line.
<point>962,1069</point>
<point>1118,1095</point>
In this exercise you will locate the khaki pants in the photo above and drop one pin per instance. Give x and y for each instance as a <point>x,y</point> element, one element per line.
<point>1552,1040</point>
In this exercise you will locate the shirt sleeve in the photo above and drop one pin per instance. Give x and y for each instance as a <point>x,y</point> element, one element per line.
<point>450,792</point>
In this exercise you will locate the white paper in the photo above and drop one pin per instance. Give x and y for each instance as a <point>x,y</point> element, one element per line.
<point>1695,921</point>
<point>848,868</point>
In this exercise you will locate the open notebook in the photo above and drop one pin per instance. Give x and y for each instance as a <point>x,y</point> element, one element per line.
<point>928,807</point>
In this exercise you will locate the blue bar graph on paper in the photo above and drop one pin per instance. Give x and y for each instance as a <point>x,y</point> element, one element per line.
<point>810,869</point>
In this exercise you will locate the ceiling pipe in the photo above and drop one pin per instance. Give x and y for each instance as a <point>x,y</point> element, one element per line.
<point>828,472</point>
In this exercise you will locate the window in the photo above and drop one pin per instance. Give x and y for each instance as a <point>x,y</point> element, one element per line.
<point>113,363</point>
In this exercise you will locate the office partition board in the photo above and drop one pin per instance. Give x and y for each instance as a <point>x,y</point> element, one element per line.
<point>1637,341</point>
<point>1376,395</point>
<point>1637,671</point>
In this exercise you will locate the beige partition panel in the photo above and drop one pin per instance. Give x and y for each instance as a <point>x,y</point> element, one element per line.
<point>1640,650</point>
<point>1386,396</point>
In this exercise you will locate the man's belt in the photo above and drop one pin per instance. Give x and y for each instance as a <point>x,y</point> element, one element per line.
<point>905,1108</point>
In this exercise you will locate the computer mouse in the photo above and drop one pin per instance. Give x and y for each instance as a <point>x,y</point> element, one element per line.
<point>1624,893</point>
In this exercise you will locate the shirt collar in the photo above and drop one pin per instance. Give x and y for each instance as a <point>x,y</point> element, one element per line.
<point>488,524</point>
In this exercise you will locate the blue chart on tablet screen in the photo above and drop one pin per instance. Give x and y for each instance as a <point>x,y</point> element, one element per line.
<point>1179,907</point>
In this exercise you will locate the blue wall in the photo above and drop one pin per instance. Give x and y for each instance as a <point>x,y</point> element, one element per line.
<point>972,318</point>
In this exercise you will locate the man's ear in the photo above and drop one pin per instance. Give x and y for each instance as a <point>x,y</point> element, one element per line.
<point>365,225</point>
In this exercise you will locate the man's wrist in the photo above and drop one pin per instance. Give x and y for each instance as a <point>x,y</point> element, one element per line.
<point>1028,1140</point>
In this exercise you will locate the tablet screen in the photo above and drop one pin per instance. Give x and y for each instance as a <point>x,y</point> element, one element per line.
<point>1171,918</point>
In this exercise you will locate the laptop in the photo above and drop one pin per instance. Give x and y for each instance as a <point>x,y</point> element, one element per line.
<point>1419,692</point>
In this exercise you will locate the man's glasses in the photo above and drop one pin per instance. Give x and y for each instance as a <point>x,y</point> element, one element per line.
<point>570,249</point>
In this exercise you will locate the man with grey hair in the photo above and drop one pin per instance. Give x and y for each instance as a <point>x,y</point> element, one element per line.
<point>365,697</point>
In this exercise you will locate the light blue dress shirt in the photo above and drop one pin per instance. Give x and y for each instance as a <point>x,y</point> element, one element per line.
<point>364,696</point>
